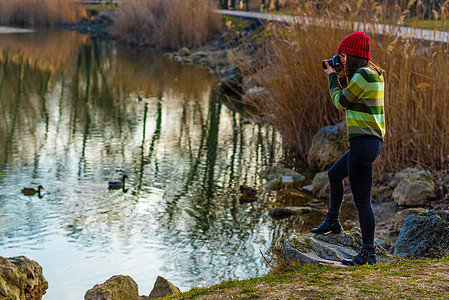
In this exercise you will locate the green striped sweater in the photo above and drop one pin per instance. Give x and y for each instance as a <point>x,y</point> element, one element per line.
<point>363,101</point>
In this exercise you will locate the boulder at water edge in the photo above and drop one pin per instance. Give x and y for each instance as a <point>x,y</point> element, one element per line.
<point>414,187</point>
<point>328,144</point>
<point>278,175</point>
<point>21,278</point>
<point>117,287</point>
<point>423,235</point>
<point>323,249</point>
<point>163,287</point>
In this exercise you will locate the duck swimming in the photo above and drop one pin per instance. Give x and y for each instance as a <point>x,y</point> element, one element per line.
<point>247,191</point>
<point>117,184</point>
<point>32,191</point>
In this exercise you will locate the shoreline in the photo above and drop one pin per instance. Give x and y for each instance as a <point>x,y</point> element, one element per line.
<point>440,175</point>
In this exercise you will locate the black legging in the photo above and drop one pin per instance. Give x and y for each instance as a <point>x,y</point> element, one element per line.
<point>357,163</point>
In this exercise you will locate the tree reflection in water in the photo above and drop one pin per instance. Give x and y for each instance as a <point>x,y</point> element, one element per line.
<point>76,112</point>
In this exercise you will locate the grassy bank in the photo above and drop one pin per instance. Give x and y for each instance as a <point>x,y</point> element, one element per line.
<point>166,24</point>
<point>297,100</point>
<point>402,279</point>
<point>39,12</point>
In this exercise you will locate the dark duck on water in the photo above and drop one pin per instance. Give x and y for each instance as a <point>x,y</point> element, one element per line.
<point>248,194</point>
<point>117,184</point>
<point>32,191</point>
<point>247,191</point>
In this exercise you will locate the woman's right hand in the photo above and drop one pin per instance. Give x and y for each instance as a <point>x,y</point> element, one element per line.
<point>329,70</point>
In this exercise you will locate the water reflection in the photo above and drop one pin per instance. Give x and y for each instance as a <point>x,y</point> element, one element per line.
<point>78,112</point>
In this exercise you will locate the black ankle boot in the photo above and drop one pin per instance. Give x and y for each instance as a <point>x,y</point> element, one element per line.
<point>365,256</point>
<point>330,224</point>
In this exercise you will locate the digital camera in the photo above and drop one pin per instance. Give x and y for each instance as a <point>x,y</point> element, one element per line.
<point>334,62</point>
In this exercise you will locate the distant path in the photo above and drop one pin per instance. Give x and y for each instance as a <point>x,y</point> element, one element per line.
<point>416,33</point>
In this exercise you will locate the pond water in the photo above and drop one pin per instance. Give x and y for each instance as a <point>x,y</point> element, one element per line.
<point>77,112</point>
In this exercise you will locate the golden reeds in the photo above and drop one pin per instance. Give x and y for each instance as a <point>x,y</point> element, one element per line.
<point>39,12</point>
<point>297,100</point>
<point>166,23</point>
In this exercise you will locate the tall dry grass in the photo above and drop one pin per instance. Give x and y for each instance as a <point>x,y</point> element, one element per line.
<point>169,24</point>
<point>39,12</point>
<point>297,99</point>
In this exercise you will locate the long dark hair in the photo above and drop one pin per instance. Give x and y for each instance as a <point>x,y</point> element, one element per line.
<point>353,63</point>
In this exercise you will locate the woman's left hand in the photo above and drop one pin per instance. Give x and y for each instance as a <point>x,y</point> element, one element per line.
<point>329,69</point>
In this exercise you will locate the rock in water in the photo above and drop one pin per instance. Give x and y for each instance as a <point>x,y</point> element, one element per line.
<point>163,287</point>
<point>118,287</point>
<point>21,278</point>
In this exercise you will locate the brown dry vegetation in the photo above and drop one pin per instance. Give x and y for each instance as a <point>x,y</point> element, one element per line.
<point>297,98</point>
<point>39,12</point>
<point>166,23</point>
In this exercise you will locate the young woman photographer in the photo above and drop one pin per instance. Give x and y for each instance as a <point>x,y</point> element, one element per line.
<point>362,96</point>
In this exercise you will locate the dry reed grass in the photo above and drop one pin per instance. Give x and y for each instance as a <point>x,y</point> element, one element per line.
<point>166,23</point>
<point>39,12</point>
<point>297,100</point>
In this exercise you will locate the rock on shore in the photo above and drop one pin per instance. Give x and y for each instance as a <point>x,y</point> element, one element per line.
<point>21,278</point>
<point>117,287</point>
<point>424,235</point>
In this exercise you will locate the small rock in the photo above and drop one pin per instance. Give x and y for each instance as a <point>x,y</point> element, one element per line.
<point>197,56</point>
<point>117,287</point>
<point>415,188</point>
<point>308,188</point>
<point>163,287</point>
<point>278,172</point>
<point>184,52</point>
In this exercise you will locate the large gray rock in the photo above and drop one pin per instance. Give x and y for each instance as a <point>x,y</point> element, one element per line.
<point>424,235</point>
<point>415,188</point>
<point>323,249</point>
<point>328,144</point>
<point>163,287</point>
<point>21,278</point>
<point>118,287</point>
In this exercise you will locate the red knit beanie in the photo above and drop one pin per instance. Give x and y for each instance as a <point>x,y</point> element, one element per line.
<point>356,44</point>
